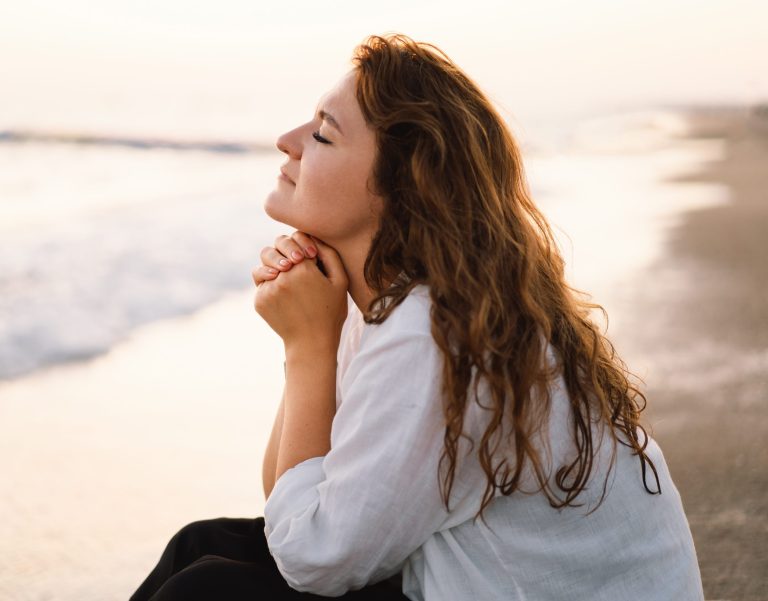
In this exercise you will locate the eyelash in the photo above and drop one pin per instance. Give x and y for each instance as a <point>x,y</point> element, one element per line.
<point>316,135</point>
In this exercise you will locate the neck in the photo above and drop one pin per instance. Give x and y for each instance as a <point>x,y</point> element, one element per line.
<point>353,257</point>
<point>354,261</point>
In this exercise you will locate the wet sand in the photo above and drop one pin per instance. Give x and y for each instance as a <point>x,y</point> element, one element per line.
<point>701,318</point>
<point>106,460</point>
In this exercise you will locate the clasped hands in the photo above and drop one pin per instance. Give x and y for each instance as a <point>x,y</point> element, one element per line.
<point>305,306</point>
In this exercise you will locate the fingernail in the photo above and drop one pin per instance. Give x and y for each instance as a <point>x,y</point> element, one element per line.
<point>272,270</point>
<point>297,255</point>
<point>311,251</point>
<point>285,262</point>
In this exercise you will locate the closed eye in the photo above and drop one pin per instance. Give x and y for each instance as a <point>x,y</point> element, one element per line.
<point>316,135</point>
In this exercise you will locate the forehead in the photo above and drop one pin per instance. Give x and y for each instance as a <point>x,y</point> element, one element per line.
<point>341,102</point>
<point>342,90</point>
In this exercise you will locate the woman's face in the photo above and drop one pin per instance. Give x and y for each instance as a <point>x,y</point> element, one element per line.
<point>323,188</point>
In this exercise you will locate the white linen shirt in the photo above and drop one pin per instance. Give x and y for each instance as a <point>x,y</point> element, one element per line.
<point>372,507</point>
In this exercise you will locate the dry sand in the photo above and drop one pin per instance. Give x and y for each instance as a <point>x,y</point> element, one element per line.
<point>703,316</point>
<point>104,460</point>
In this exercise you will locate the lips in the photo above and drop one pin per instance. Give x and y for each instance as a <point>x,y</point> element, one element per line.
<point>286,176</point>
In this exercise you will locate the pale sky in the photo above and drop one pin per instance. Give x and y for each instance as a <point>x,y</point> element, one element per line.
<point>250,69</point>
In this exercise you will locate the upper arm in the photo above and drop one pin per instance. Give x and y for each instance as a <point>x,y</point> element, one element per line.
<point>354,516</point>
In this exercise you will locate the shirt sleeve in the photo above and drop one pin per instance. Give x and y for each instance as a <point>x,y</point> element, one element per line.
<point>351,518</point>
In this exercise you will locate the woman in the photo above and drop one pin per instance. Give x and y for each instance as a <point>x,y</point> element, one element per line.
<point>463,381</point>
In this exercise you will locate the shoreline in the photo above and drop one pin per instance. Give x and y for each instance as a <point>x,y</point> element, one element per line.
<point>168,426</point>
<point>108,458</point>
<point>705,323</point>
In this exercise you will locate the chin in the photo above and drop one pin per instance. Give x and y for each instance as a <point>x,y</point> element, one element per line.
<point>281,210</point>
<point>273,206</point>
<point>273,211</point>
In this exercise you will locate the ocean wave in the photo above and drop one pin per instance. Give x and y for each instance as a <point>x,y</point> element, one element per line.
<point>138,143</point>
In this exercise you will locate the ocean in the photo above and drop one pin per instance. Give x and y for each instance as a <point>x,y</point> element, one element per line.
<point>137,385</point>
<point>97,239</point>
<point>100,235</point>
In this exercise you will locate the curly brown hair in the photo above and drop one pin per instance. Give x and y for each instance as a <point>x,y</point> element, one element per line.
<point>458,217</point>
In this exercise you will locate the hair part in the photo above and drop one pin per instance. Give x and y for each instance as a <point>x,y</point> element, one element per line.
<point>458,216</point>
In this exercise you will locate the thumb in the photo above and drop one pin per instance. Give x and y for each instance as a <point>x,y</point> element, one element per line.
<point>334,268</point>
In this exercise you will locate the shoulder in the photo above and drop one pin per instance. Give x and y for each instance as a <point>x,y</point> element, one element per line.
<point>412,317</point>
<point>397,366</point>
<point>402,343</point>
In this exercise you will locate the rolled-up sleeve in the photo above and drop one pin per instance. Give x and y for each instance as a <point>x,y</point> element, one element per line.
<point>351,518</point>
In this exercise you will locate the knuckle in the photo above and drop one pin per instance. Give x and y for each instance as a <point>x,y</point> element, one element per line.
<point>257,274</point>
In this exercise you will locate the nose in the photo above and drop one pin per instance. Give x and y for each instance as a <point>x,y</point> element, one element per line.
<point>290,144</point>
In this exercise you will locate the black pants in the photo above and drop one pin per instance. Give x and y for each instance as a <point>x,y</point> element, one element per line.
<point>227,559</point>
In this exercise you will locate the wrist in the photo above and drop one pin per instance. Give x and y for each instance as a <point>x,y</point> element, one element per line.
<point>310,353</point>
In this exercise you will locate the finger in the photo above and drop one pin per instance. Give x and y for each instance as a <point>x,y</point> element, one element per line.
<point>262,273</point>
<point>333,267</point>
<point>306,243</point>
<point>271,257</point>
<point>290,249</point>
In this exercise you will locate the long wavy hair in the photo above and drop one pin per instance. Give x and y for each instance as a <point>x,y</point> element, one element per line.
<point>458,216</point>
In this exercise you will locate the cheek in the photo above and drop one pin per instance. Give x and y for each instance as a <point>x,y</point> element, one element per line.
<point>316,186</point>
<point>330,201</point>
<point>335,189</point>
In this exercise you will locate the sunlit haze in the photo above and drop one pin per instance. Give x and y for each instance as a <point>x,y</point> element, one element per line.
<point>137,145</point>
<point>248,70</point>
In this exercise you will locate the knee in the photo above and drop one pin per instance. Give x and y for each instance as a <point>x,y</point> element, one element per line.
<point>197,581</point>
<point>216,577</point>
<point>195,529</point>
<point>194,535</point>
<point>204,528</point>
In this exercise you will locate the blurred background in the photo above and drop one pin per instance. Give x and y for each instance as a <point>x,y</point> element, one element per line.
<point>137,384</point>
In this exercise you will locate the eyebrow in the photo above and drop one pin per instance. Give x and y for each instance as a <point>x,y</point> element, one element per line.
<point>330,118</point>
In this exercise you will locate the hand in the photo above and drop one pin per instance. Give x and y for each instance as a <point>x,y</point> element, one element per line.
<point>287,252</point>
<point>303,305</point>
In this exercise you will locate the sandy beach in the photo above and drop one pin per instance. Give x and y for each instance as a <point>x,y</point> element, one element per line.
<point>701,318</point>
<point>104,460</point>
